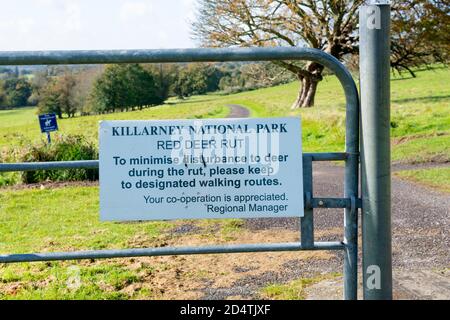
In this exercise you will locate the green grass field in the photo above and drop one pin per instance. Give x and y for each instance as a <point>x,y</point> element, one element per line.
<point>45,221</point>
<point>437,178</point>
<point>21,125</point>
<point>57,224</point>
<point>35,220</point>
<point>294,290</point>
<point>420,116</point>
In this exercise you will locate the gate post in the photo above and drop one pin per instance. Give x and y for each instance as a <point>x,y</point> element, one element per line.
<point>374,24</point>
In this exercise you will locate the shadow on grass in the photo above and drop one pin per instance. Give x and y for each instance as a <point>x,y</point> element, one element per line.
<point>187,101</point>
<point>405,76</point>
<point>423,99</point>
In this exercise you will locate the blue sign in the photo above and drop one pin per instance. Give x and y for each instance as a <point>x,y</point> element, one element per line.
<point>48,122</point>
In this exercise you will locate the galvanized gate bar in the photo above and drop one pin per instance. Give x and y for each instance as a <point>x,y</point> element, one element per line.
<point>51,165</point>
<point>351,229</point>
<point>310,201</point>
<point>93,164</point>
<point>144,252</point>
<point>351,155</point>
<point>307,221</point>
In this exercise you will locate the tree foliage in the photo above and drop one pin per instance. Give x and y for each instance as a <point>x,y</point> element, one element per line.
<point>196,78</point>
<point>328,25</point>
<point>124,87</point>
<point>420,33</point>
<point>2,95</point>
<point>68,93</point>
<point>49,102</point>
<point>15,92</point>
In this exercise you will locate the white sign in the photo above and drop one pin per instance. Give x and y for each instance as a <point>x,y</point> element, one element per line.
<point>200,169</point>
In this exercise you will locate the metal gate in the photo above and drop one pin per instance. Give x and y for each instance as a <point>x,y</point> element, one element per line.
<point>351,157</point>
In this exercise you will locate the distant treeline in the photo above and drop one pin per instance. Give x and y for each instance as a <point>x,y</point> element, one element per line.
<point>103,89</point>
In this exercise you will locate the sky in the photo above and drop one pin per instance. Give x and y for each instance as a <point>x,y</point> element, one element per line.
<point>95,24</point>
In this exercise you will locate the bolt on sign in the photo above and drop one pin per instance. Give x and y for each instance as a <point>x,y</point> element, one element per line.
<point>200,169</point>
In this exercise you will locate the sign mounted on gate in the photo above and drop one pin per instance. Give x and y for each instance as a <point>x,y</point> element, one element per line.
<point>200,169</point>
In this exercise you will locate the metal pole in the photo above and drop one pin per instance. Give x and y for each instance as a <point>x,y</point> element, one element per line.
<point>49,138</point>
<point>351,229</point>
<point>307,222</point>
<point>374,27</point>
<point>167,251</point>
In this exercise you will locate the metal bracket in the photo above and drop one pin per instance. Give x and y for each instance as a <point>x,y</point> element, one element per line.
<point>308,200</point>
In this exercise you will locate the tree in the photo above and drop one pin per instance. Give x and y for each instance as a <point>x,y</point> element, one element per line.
<point>197,78</point>
<point>143,89</point>
<point>421,34</point>
<point>2,95</point>
<point>59,96</point>
<point>165,75</point>
<point>126,86</point>
<point>328,25</point>
<point>49,100</point>
<point>265,74</point>
<point>110,89</point>
<point>38,83</point>
<point>84,85</point>
<point>17,92</point>
<point>65,89</point>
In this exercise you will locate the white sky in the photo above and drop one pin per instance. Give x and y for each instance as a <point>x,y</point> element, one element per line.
<point>95,24</point>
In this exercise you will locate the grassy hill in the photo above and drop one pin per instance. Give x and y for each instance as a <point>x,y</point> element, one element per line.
<point>420,116</point>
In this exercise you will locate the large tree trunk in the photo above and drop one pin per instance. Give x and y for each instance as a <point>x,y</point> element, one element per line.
<point>308,88</point>
<point>306,94</point>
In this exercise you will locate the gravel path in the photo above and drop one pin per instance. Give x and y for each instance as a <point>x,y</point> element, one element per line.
<point>420,239</point>
<point>420,216</point>
<point>420,219</point>
<point>420,227</point>
<point>415,166</point>
<point>238,111</point>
